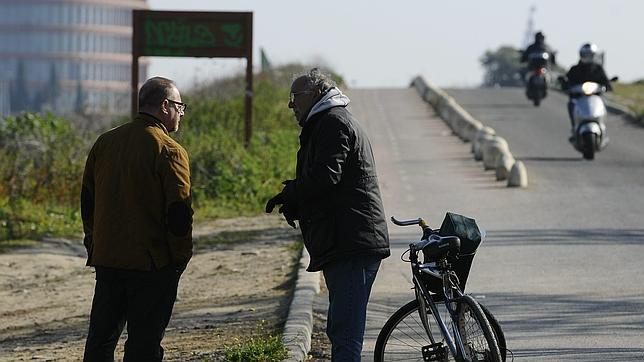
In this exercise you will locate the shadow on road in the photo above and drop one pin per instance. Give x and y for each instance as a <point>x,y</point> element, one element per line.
<point>552,159</point>
<point>571,319</point>
<point>565,237</point>
<point>544,237</point>
<point>496,106</point>
<point>584,354</point>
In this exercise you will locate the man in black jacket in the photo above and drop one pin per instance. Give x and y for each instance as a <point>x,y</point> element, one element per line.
<point>587,70</point>
<point>336,198</point>
<point>539,46</point>
<point>533,56</point>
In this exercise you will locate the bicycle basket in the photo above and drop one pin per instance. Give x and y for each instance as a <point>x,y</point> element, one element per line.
<point>466,230</point>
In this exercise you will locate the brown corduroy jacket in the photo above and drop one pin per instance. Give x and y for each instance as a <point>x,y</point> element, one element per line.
<point>135,199</point>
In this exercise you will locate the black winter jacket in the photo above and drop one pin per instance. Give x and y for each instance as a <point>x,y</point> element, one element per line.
<point>537,48</point>
<point>336,191</point>
<point>582,72</point>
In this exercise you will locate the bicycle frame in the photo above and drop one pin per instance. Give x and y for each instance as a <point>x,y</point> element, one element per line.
<point>450,290</point>
<point>459,335</point>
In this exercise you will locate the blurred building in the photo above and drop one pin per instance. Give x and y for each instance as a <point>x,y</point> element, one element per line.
<point>67,55</point>
<point>5,105</point>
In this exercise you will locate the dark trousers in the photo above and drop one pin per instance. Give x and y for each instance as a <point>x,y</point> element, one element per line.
<point>142,299</point>
<point>571,109</point>
<point>349,283</point>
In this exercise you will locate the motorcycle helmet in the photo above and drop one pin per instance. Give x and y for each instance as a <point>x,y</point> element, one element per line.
<point>539,37</point>
<point>587,53</point>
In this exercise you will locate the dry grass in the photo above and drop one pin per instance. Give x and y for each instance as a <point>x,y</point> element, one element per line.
<point>632,96</point>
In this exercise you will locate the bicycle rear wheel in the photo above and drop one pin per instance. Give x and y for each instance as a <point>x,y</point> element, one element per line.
<point>498,331</point>
<point>405,338</point>
<point>478,337</point>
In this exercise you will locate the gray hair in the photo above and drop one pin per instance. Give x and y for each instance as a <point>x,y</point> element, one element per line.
<point>316,79</point>
<point>154,91</point>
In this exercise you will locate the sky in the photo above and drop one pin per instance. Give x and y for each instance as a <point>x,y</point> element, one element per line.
<point>375,43</point>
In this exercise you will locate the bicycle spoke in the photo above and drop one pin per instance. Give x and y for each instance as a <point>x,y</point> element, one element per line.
<point>476,332</point>
<point>416,330</point>
<point>407,337</point>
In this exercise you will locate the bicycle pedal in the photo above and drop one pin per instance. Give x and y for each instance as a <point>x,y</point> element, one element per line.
<point>435,352</point>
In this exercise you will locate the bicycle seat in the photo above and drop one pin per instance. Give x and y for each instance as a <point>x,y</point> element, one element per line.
<point>439,247</point>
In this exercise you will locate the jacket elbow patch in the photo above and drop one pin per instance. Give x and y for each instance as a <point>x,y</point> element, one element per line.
<point>179,218</point>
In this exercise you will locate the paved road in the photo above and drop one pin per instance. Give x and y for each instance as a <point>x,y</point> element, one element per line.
<point>562,265</point>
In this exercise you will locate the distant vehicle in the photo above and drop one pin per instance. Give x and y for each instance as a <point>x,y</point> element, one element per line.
<point>588,113</point>
<point>537,78</point>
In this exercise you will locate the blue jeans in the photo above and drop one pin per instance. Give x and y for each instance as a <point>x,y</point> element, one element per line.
<point>349,283</point>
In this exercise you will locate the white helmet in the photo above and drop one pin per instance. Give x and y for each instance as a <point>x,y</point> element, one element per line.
<point>587,53</point>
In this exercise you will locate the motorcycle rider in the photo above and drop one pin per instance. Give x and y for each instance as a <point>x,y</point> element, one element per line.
<point>587,70</point>
<point>539,46</point>
<point>533,56</point>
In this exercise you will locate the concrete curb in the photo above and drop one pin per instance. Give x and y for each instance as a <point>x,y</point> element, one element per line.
<point>299,323</point>
<point>470,129</point>
<point>620,110</point>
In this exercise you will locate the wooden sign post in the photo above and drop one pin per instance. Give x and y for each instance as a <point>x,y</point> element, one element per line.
<point>194,34</point>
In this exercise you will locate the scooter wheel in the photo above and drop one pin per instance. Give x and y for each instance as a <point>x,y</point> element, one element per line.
<point>588,140</point>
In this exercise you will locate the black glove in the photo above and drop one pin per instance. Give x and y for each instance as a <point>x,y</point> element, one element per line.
<point>276,200</point>
<point>289,211</point>
<point>289,215</point>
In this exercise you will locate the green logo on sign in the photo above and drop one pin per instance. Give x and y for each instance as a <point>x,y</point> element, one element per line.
<point>177,34</point>
<point>234,36</point>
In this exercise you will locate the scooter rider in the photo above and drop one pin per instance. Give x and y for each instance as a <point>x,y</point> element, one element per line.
<point>587,70</point>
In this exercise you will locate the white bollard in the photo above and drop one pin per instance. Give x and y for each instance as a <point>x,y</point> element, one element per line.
<point>492,149</point>
<point>503,166</point>
<point>518,175</point>
<point>476,143</point>
<point>470,127</point>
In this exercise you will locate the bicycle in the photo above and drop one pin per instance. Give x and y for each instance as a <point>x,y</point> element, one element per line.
<point>468,332</point>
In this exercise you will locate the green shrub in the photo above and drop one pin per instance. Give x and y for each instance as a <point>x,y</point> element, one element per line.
<point>42,159</point>
<point>257,349</point>
<point>229,179</point>
<point>22,218</point>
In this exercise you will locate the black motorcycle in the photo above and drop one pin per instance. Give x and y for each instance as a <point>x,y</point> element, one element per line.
<point>538,77</point>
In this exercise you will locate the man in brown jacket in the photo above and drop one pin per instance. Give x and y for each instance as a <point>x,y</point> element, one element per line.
<point>137,218</point>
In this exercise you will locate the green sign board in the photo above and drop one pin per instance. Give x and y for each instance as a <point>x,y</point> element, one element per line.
<point>192,34</point>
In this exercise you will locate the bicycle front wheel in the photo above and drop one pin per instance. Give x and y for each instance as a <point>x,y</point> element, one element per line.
<point>410,334</point>
<point>475,330</point>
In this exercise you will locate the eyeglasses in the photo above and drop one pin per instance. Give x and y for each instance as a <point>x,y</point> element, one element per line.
<point>291,97</point>
<point>181,107</point>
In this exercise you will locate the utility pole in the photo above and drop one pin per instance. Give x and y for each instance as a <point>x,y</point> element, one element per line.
<point>529,31</point>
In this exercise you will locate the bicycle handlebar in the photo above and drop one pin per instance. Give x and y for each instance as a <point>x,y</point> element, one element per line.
<point>419,221</point>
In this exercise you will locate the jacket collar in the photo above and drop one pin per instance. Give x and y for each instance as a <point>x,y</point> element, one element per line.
<point>332,98</point>
<point>149,119</point>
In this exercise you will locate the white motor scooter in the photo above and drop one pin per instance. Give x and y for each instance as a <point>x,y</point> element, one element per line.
<point>589,113</point>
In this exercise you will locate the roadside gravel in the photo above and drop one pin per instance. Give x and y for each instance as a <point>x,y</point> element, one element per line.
<point>238,284</point>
